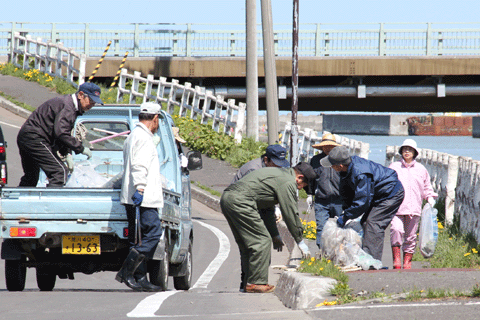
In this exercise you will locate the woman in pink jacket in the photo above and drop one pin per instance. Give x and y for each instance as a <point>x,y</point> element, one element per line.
<point>416,182</point>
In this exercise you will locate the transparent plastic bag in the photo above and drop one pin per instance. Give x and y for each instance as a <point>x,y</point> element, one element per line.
<point>85,176</point>
<point>428,231</point>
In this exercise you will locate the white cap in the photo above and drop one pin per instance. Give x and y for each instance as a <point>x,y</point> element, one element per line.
<point>150,108</point>
<point>409,143</point>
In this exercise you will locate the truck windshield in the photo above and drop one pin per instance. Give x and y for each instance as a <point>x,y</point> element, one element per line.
<point>103,135</point>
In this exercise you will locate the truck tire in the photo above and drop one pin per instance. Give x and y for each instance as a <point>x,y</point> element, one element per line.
<point>15,274</point>
<point>185,282</point>
<point>160,269</point>
<point>46,279</point>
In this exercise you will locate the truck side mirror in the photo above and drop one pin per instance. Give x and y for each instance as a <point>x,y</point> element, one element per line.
<point>194,160</point>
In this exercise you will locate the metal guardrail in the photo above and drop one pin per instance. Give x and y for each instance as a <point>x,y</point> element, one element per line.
<point>47,57</point>
<point>308,137</point>
<point>221,40</point>
<point>195,102</point>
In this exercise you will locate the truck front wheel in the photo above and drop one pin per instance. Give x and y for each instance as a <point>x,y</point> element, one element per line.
<point>160,269</point>
<point>15,274</point>
<point>185,282</point>
<point>45,279</point>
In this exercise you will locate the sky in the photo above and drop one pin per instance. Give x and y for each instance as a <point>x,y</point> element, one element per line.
<point>233,11</point>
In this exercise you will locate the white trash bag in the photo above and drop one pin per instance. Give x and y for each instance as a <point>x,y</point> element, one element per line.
<point>85,176</point>
<point>428,231</point>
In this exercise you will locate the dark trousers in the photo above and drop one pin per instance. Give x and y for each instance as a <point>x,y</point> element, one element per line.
<point>37,154</point>
<point>150,227</point>
<point>376,221</point>
<point>325,209</point>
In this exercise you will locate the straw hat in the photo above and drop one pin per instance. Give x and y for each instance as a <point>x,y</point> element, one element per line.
<point>176,130</point>
<point>328,139</point>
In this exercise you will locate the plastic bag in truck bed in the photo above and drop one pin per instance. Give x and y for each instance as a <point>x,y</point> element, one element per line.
<point>85,176</point>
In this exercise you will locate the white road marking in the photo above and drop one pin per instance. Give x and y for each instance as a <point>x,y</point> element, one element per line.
<point>148,306</point>
<point>216,263</point>
<point>10,125</point>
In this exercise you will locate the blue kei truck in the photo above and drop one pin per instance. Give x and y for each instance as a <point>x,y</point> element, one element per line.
<point>83,227</point>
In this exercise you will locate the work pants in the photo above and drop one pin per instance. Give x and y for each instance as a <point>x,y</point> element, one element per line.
<point>403,232</point>
<point>250,233</point>
<point>150,229</point>
<point>37,154</point>
<point>325,209</point>
<point>376,221</point>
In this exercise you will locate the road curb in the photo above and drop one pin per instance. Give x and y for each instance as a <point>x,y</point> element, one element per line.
<point>12,107</point>
<point>205,198</point>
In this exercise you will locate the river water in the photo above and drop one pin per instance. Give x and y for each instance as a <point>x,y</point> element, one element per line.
<point>455,145</point>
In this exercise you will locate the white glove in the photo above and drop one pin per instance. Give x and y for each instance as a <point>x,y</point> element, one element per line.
<point>310,204</point>
<point>86,151</point>
<point>304,248</point>
<point>69,161</point>
<point>183,161</point>
<point>431,201</point>
<point>156,140</point>
<point>278,214</point>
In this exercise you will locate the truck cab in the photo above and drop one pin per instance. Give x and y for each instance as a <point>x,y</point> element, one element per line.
<point>83,226</point>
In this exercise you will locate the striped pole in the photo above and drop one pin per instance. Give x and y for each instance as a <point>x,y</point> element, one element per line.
<point>100,61</point>
<point>118,72</point>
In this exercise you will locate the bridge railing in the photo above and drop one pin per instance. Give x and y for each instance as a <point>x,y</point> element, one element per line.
<point>224,40</point>
<point>51,58</point>
<point>225,116</point>
<point>308,137</point>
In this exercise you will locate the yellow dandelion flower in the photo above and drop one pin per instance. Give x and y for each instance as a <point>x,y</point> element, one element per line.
<point>312,259</point>
<point>301,262</point>
<point>440,226</point>
<point>309,263</point>
<point>474,250</point>
<point>328,261</point>
<point>321,269</point>
<point>467,254</point>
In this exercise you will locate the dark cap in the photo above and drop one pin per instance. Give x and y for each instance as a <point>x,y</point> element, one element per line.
<point>307,171</point>
<point>91,90</point>
<point>277,154</point>
<point>338,155</point>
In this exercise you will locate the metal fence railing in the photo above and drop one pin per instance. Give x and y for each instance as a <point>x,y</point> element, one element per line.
<point>196,102</point>
<point>194,40</point>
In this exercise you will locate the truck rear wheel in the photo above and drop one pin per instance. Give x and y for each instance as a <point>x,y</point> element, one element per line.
<point>160,269</point>
<point>15,274</point>
<point>185,282</point>
<point>46,279</point>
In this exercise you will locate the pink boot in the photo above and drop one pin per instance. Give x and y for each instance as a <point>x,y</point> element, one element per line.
<point>407,260</point>
<point>397,263</point>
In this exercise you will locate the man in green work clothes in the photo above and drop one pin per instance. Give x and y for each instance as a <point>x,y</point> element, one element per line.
<point>240,204</point>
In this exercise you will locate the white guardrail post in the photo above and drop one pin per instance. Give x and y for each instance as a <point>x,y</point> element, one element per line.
<point>226,117</point>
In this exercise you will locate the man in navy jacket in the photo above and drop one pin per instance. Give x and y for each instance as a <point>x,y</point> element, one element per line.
<point>370,189</point>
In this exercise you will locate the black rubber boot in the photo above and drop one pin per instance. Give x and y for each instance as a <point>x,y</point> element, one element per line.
<point>141,278</point>
<point>131,263</point>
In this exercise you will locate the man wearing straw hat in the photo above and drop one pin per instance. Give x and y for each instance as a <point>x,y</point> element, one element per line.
<point>328,202</point>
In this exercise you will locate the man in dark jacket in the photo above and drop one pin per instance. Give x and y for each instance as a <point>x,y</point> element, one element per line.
<point>328,202</point>
<point>370,189</point>
<point>48,130</point>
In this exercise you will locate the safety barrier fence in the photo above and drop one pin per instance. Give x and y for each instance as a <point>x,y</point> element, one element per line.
<point>48,57</point>
<point>194,40</point>
<point>308,137</point>
<point>196,102</point>
<point>457,180</point>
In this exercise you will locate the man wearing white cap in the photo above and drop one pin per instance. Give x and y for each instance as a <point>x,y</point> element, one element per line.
<point>370,189</point>
<point>142,188</point>
<point>328,203</point>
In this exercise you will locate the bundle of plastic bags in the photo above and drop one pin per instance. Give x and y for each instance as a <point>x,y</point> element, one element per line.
<point>428,231</point>
<point>344,245</point>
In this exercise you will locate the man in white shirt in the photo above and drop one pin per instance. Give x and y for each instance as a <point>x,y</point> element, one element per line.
<point>142,190</point>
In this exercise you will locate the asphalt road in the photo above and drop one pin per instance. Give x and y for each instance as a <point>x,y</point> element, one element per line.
<point>215,292</point>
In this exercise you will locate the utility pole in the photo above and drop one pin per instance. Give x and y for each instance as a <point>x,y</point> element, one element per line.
<point>294,130</point>
<point>270,72</point>
<point>252,69</point>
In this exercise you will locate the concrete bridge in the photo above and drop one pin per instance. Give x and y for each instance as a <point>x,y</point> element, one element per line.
<point>369,67</point>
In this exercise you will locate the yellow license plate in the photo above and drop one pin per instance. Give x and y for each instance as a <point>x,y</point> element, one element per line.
<point>79,244</point>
